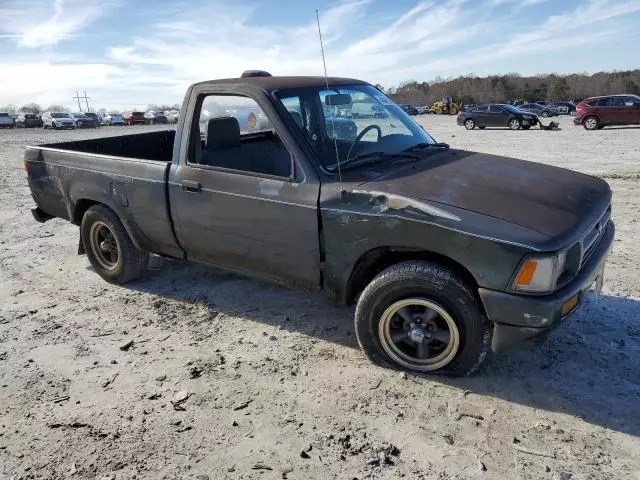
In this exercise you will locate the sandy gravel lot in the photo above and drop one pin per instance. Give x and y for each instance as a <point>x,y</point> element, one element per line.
<point>275,385</point>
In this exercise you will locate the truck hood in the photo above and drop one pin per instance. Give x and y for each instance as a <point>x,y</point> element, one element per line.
<point>549,200</point>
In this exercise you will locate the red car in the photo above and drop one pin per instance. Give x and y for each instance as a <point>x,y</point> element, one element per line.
<point>134,118</point>
<point>597,112</point>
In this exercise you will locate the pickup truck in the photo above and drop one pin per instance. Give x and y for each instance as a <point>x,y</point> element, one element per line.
<point>447,254</point>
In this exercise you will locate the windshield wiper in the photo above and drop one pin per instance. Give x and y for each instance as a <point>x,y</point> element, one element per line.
<point>424,145</point>
<point>372,157</point>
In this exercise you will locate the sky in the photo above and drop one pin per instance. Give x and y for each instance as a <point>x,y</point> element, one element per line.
<point>127,54</point>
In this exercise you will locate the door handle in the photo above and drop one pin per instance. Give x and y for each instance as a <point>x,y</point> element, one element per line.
<point>191,186</point>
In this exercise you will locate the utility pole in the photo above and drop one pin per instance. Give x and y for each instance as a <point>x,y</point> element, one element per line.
<point>77,97</point>
<point>84,97</point>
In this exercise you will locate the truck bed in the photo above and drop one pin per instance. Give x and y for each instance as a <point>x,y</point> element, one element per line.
<point>145,146</point>
<point>127,173</point>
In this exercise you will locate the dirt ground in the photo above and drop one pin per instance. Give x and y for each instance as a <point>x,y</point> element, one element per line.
<point>193,373</point>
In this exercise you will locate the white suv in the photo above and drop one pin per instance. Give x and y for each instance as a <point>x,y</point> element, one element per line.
<point>57,120</point>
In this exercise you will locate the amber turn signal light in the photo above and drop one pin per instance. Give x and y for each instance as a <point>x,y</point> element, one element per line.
<point>569,305</point>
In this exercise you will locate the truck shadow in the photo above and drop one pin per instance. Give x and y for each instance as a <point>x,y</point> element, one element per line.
<point>589,368</point>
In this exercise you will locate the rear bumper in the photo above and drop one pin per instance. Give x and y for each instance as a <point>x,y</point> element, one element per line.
<point>524,321</point>
<point>577,121</point>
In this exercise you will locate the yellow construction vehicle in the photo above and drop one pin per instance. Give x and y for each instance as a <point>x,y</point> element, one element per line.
<point>446,106</point>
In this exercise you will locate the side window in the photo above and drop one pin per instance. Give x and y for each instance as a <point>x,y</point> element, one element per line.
<point>495,109</point>
<point>482,108</point>
<point>233,132</point>
<point>607,102</point>
<point>294,107</point>
<point>625,101</point>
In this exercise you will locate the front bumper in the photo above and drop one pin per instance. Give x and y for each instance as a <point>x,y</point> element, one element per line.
<point>524,321</point>
<point>577,121</point>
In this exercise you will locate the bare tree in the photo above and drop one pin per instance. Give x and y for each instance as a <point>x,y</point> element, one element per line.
<point>57,108</point>
<point>31,108</point>
<point>10,108</point>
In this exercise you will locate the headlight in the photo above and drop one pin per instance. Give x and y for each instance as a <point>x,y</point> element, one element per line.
<point>540,274</point>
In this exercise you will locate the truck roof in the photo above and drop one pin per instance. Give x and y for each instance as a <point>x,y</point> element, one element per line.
<point>277,83</point>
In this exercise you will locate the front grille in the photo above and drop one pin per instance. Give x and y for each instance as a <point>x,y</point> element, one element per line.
<point>591,240</point>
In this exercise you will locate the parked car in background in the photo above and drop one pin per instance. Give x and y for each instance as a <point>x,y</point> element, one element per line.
<point>113,118</point>
<point>6,120</point>
<point>596,113</point>
<point>28,120</point>
<point>367,110</point>
<point>517,103</point>
<point>172,116</point>
<point>565,108</point>
<point>497,115</point>
<point>409,109</point>
<point>95,117</point>
<point>81,120</point>
<point>151,118</point>
<point>57,120</point>
<point>134,118</point>
<point>540,110</point>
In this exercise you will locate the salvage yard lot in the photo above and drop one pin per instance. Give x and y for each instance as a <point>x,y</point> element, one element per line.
<point>229,377</point>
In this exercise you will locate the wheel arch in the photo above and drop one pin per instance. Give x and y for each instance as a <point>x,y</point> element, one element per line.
<point>84,204</point>
<point>372,262</point>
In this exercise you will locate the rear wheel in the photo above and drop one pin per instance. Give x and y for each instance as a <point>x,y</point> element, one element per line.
<point>514,124</point>
<point>469,124</point>
<point>421,316</point>
<point>109,248</point>
<point>544,114</point>
<point>590,123</point>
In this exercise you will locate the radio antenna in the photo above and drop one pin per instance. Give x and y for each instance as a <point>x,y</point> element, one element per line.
<point>333,126</point>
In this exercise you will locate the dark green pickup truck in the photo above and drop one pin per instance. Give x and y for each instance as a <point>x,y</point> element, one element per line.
<point>447,253</point>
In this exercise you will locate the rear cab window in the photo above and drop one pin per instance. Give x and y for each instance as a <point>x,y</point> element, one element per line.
<point>234,133</point>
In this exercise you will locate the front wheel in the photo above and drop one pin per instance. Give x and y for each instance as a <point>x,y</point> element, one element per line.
<point>421,316</point>
<point>469,124</point>
<point>514,124</point>
<point>109,248</point>
<point>544,114</point>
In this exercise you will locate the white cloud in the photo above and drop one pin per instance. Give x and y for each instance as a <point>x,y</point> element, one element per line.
<point>185,43</point>
<point>39,23</point>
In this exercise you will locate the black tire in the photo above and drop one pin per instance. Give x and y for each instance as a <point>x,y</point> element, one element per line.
<point>514,124</point>
<point>431,282</point>
<point>130,263</point>
<point>469,124</point>
<point>591,123</point>
<point>600,127</point>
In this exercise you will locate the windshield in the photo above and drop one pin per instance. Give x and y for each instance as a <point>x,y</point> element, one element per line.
<point>352,121</point>
<point>60,115</point>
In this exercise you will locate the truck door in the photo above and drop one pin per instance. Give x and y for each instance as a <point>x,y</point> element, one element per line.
<point>239,197</point>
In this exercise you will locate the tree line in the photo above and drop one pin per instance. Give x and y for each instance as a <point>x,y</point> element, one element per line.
<point>507,88</point>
